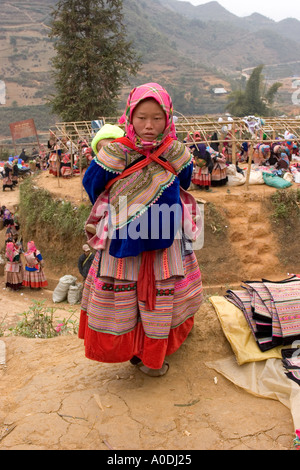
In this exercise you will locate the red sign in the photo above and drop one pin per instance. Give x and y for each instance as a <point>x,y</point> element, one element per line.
<point>22,129</point>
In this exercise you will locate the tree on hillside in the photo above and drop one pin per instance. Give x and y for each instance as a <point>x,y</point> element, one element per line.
<point>93,60</point>
<point>255,99</point>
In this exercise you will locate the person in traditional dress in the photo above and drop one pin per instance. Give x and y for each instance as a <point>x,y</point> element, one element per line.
<point>276,148</point>
<point>261,154</point>
<point>295,150</point>
<point>7,177</point>
<point>203,166</point>
<point>15,173</point>
<point>54,160</point>
<point>34,276</point>
<point>244,153</point>
<point>219,172</point>
<point>85,261</point>
<point>144,286</point>
<point>23,157</point>
<point>86,153</point>
<point>283,162</point>
<point>66,166</point>
<point>7,216</point>
<point>11,232</point>
<point>14,271</point>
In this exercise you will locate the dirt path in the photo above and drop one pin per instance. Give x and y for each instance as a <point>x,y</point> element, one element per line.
<point>52,397</point>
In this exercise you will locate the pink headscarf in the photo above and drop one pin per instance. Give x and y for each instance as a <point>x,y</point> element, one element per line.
<point>10,251</point>
<point>31,248</point>
<point>148,90</point>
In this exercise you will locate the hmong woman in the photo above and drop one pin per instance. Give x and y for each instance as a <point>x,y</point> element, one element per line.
<point>219,173</point>
<point>7,217</point>
<point>244,153</point>
<point>15,173</point>
<point>283,162</point>
<point>54,159</point>
<point>276,148</point>
<point>65,166</point>
<point>34,276</point>
<point>14,268</point>
<point>261,154</point>
<point>203,166</point>
<point>7,177</point>
<point>144,287</point>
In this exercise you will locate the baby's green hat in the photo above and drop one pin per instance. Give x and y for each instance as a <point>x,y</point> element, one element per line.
<point>108,131</point>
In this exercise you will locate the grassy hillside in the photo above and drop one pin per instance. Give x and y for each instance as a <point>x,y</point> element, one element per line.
<point>188,49</point>
<point>40,113</point>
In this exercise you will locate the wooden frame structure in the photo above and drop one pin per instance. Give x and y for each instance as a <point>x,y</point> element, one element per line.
<point>272,129</point>
<point>234,130</point>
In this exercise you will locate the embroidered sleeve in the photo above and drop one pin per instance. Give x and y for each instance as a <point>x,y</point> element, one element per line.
<point>95,179</point>
<point>108,164</point>
<point>111,158</point>
<point>182,160</point>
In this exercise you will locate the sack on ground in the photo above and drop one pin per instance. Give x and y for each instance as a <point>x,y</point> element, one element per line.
<point>60,292</point>
<point>276,181</point>
<point>234,178</point>
<point>256,177</point>
<point>75,293</point>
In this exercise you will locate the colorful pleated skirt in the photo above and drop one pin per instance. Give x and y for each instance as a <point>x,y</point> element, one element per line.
<point>116,325</point>
<point>201,176</point>
<point>35,279</point>
<point>14,275</point>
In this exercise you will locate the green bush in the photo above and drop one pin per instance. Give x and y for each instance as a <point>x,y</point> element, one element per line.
<point>38,322</point>
<point>285,205</point>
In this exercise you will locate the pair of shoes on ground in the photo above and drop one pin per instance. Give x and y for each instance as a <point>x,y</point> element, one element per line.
<point>150,372</point>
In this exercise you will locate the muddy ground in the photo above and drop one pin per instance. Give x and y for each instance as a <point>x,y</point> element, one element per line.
<point>53,398</point>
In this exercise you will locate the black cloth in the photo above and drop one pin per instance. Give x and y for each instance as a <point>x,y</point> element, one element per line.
<point>15,170</point>
<point>214,145</point>
<point>200,153</point>
<point>84,263</point>
<point>290,361</point>
<point>7,172</point>
<point>23,156</point>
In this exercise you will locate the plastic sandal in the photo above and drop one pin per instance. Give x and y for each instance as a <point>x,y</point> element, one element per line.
<point>155,372</point>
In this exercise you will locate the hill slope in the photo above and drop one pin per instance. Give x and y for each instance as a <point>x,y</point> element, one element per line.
<point>190,49</point>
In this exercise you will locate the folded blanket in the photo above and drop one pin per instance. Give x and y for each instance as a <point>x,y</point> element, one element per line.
<point>272,310</point>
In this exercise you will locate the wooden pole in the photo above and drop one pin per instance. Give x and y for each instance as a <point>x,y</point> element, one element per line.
<point>72,158</point>
<point>57,165</point>
<point>250,156</point>
<point>80,167</point>
<point>233,147</point>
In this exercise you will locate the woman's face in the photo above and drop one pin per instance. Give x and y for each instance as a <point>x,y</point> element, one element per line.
<point>149,120</point>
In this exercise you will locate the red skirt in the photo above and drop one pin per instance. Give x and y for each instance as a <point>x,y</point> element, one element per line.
<point>201,177</point>
<point>103,347</point>
<point>117,325</point>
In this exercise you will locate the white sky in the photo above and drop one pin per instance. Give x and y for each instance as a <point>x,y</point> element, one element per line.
<point>276,10</point>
